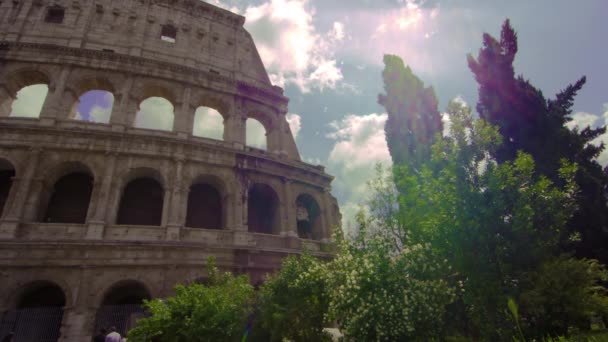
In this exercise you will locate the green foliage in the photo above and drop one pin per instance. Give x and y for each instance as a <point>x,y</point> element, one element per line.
<point>413,118</point>
<point>217,312</point>
<point>496,224</point>
<point>567,291</point>
<point>383,294</point>
<point>536,126</point>
<point>293,302</point>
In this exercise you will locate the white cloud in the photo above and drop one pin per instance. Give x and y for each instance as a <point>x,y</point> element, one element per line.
<point>100,114</point>
<point>155,113</point>
<point>29,101</point>
<point>295,124</point>
<point>255,134</point>
<point>360,144</point>
<point>208,123</point>
<point>290,46</point>
<point>581,120</point>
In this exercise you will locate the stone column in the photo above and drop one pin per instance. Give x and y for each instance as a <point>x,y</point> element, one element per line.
<point>18,197</point>
<point>97,218</point>
<point>121,114</point>
<point>234,125</point>
<point>290,227</point>
<point>54,107</point>
<point>6,101</point>
<point>184,116</point>
<point>241,195</point>
<point>326,220</point>
<point>175,203</point>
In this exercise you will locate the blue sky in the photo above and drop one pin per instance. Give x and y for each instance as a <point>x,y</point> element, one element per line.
<point>328,57</point>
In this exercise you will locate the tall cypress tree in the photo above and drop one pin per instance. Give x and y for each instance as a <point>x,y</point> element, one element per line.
<point>533,124</point>
<point>413,118</point>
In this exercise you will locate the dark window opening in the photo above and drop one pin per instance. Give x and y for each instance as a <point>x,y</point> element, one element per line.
<point>6,181</point>
<point>308,218</point>
<point>141,203</point>
<point>204,207</point>
<point>42,295</point>
<point>69,202</point>
<point>55,15</point>
<point>38,314</point>
<point>168,33</point>
<point>262,210</point>
<point>121,307</point>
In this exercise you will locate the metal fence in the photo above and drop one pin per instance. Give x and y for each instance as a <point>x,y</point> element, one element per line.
<point>122,317</point>
<point>32,324</point>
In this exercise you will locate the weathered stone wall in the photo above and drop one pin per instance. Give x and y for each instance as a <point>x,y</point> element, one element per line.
<point>115,46</point>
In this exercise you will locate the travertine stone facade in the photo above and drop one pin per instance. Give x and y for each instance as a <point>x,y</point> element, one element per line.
<point>115,45</point>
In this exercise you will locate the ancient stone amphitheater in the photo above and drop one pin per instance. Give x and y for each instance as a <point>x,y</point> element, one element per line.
<point>97,215</point>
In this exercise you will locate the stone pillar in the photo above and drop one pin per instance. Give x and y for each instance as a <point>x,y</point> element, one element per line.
<point>290,227</point>
<point>326,219</point>
<point>184,117</point>
<point>98,216</point>
<point>54,107</point>
<point>121,114</point>
<point>18,197</point>
<point>175,203</point>
<point>234,125</point>
<point>6,101</point>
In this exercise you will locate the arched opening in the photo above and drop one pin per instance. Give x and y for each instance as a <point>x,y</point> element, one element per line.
<point>141,203</point>
<point>204,207</point>
<point>255,134</point>
<point>29,101</point>
<point>7,172</point>
<point>155,113</point>
<point>121,306</point>
<point>54,15</point>
<point>94,106</point>
<point>38,313</point>
<point>262,210</point>
<point>308,216</point>
<point>168,33</point>
<point>69,201</point>
<point>208,123</point>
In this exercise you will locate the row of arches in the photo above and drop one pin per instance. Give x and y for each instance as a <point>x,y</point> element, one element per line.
<point>154,112</point>
<point>142,200</point>
<point>39,308</point>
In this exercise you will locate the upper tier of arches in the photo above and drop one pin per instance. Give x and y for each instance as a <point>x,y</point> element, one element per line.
<point>126,102</point>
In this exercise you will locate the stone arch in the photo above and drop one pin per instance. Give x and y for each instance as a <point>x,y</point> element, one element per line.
<point>120,306</point>
<point>66,193</point>
<point>263,214</point>
<point>7,173</point>
<point>210,117</point>
<point>256,134</point>
<point>308,217</point>
<point>38,311</point>
<point>26,90</point>
<point>207,207</point>
<point>156,108</point>
<point>93,99</point>
<point>142,198</point>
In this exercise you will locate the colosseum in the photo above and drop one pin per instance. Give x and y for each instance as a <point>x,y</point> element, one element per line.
<point>97,214</point>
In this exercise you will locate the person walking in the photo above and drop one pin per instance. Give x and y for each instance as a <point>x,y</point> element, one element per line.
<point>113,336</point>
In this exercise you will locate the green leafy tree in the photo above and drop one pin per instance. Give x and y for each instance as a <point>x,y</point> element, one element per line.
<point>413,118</point>
<point>293,302</point>
<point>379,293</point>
<point>214,312</point>
<point>495,222</point>
<point>532,124</point>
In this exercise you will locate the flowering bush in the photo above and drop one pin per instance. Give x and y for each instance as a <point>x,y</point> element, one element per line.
<point>384,296</point>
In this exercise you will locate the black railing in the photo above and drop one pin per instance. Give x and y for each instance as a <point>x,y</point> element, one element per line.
<point>122,317</point>
<point>32,324</point>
